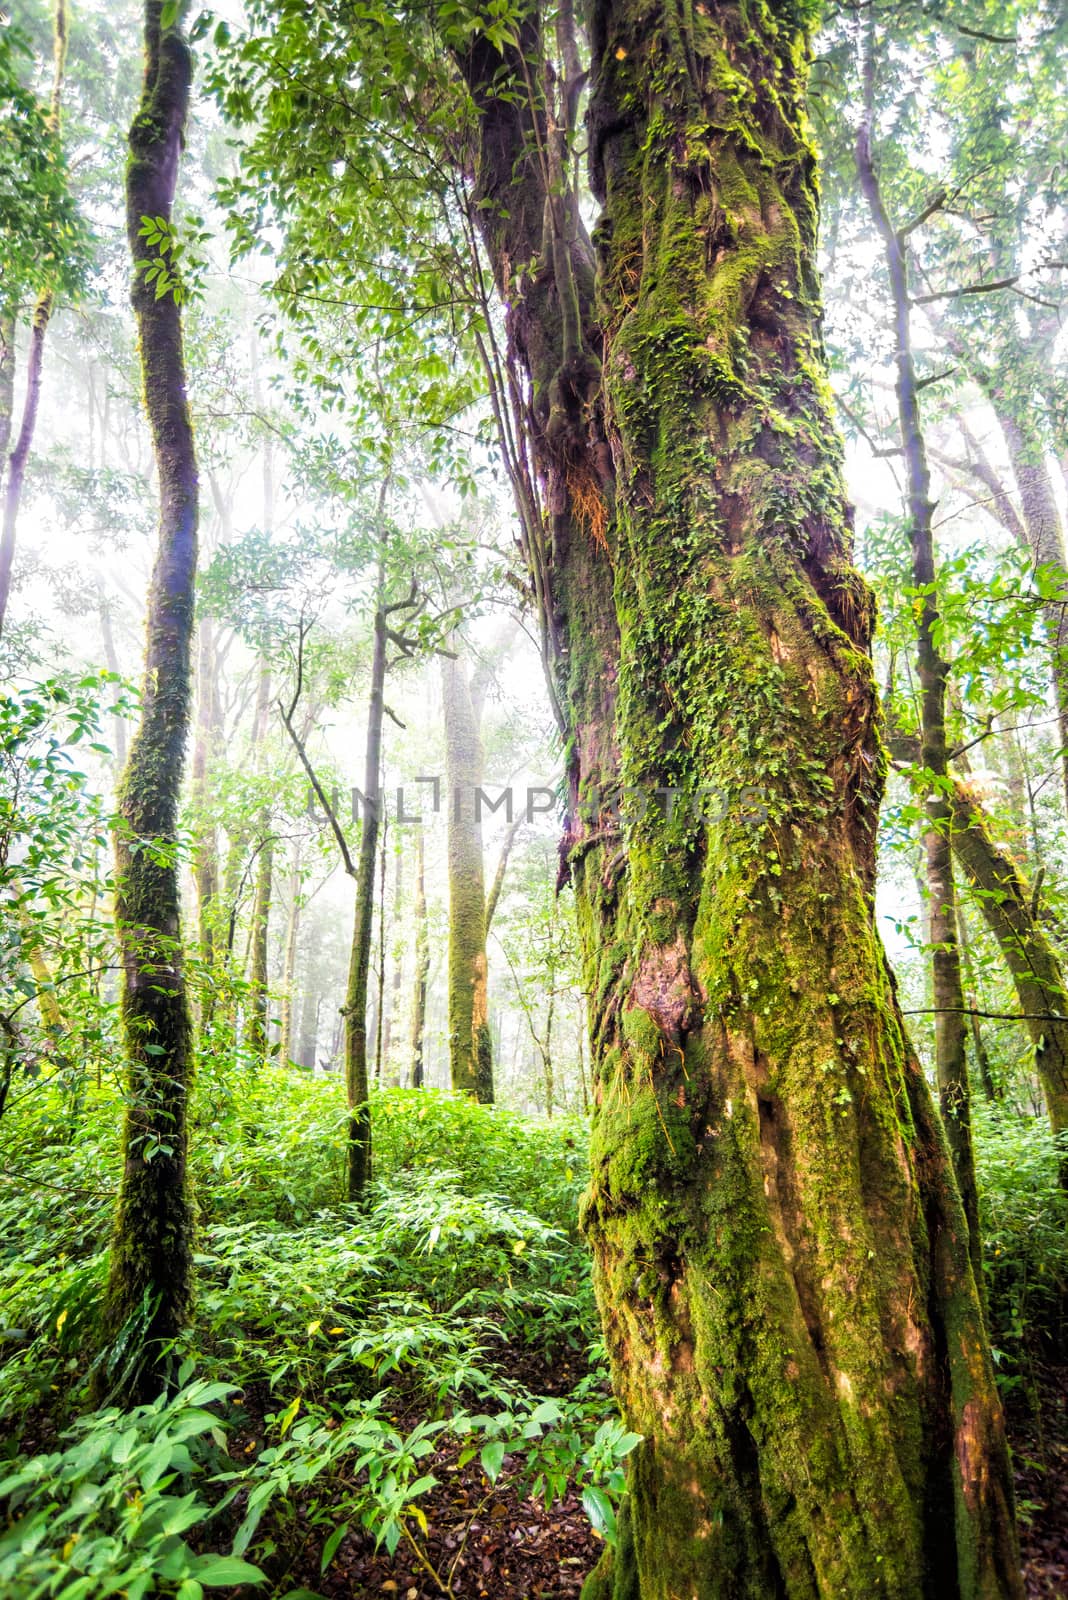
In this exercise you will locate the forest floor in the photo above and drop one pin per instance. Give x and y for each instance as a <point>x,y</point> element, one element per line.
<point>1040,1451</point>
<point>423,1373</point>
<point>503,1545</point>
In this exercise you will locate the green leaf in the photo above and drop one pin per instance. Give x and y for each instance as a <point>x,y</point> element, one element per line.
<point>492,1456</point>
<point>330,1547</point>
<point>219,1572</point>
<point>599,1509</point>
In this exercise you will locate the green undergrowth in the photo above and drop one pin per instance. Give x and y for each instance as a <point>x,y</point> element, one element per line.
<point>342,1358</point>
<point>337,1353</point>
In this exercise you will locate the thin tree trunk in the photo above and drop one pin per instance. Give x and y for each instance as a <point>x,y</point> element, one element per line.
<point>1045,540</point>
<point>111,659</point>
<point>498,877</point>
<point>205,750</point>
<point>470,1050</point>
<point>16,470</point>
<point>259,930</point>
<point>422,962</point>
<point>951,1055</point>
<point>357,1087</point>
<point>256,1035</point>
<point>289,965</point>
<point>982,1057</point>
<point>381,1032</point>
<point>547,1054</point>
<point>7,385</point>
<point>780,1251</point>
<point>149,1284</point>
<point>397,975</point>
<point>309,1007</point>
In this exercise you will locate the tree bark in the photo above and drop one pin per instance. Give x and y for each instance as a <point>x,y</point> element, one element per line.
<point>149,1285</point>
<point>205,749</point>
<point>259,929</point>
<point>780,1252</point>
<point>951,1055</point>
<point>1045,540</point>
<point>422,962</point>
<point>391,1076</point>
<point>1007,903</point>
<point>381,1027</point>
<point>971,993</point>
<point>470,1048</point>
<point>111,658</point>
<point>357,1085</point>
<point>16,469</point>
<point>7,385</point>
<point>256,1037</point>
<point>289,964</point>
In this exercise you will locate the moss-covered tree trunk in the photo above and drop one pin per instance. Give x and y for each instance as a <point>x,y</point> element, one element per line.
<point>149,1283</point>
<point>205,750</point>
<point>421,975</point>
<point>357,1079</point>
<point>470,1047</point>
<point>1008,906</point>
<point>780,1251</point>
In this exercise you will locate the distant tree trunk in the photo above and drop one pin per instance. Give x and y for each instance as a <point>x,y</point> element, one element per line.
<point>149,1285</point>
<point>1045,541</point>
<point>289,964</point>
<point>780,1251</point>
<point>357,1086</point>
<point>16,471</point>
<point>951,1055</point>
<point>310,999</point>
<point>381,1025</point>
<point>392,1077</point>
<point>258,975</point>
<point>498,877</point>
<point>7,385</point>
<point>547,1053</point>
<point>111,660</point>
<point>256,1023</point>
<point>982,1058</point>
<point>470,1049</point>
<point>1007,904</point>
<point>205,751</point>
<point>422,962</point>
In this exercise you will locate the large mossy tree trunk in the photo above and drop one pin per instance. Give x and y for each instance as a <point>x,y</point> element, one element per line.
<point>470,1046</point>
<point>149,1283</point>
<point>780,1251</point>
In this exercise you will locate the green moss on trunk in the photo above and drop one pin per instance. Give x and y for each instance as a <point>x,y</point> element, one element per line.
<point>470,1045</point>
<point>149,1286</point>
<point>780,1253</point>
